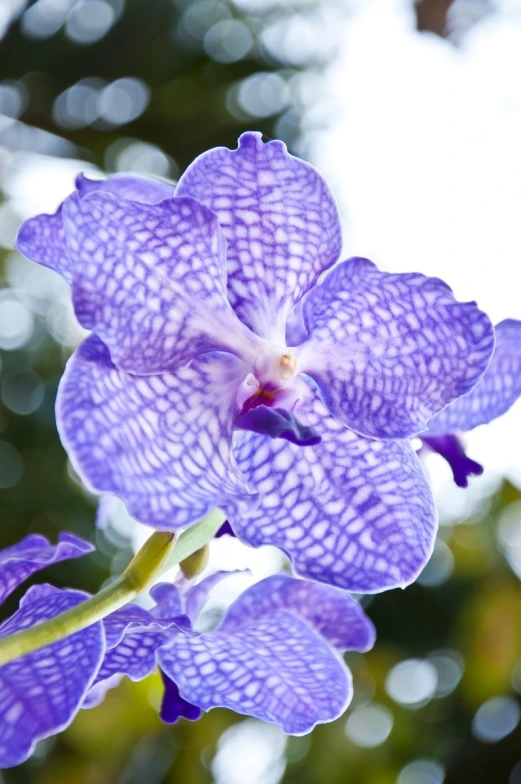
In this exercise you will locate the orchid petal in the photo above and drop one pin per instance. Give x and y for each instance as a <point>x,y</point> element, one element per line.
<point>332,612</point>
<point>390,351</point>
<point>160,443</point>
<point>42,238</point>
<point>277,669</point>
<point>150,281</point>
<point>350,511</point>
<point>497,391</point>
<point>33,553</point>
<point>279,219</point>
<point>41,692</point>
<point>134,187</point>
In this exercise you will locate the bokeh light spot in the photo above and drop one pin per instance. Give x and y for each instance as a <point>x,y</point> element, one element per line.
<point>449,670</point>
<point>496,719</point>
<point>89,21</point>
<point>411,682</point>
<point>422,771</point>
<point>22,392</point>
<point>369,726</point>
<point>123,101</point>
<point>250,753</point>
<point>228,41</point>
<point>16,324</point>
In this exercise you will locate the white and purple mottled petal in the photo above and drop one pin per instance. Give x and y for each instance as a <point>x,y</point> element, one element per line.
<point>134,187</point>
<point>134,656</point>
<point>125,621</point>
<point>277,669</point>
<point>390,351</point>
<point>40,693</point>
<point>33,553</point>
<point>150,281</point>
<point>168,601</point>
<point>42,238</point>
<point>332,612</point>
<point>352,512</point>
<point>163,444</point>
<point>279,219</point>
<point>497,391</point>
<point>133,634</point>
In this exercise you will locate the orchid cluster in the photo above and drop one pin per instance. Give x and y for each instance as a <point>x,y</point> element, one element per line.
<point>234,362</point>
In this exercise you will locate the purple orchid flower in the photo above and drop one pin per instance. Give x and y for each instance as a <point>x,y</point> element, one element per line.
<point>211,318</point>
<point>40,693</point>
<point>275,655</point>
<point>497,391</point>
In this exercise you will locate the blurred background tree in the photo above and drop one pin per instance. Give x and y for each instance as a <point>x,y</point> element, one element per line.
<point>146,85</point>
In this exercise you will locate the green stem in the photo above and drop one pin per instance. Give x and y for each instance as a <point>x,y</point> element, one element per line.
<point>160,552</point>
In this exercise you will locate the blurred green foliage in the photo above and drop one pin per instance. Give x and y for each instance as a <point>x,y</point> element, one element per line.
<point>475,614</point>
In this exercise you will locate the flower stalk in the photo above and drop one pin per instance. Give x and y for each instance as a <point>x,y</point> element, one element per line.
<point>160,552</point>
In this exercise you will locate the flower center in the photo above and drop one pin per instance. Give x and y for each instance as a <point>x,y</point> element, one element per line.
<point>274,367</point>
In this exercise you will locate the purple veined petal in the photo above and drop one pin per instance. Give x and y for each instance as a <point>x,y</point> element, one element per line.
<point>163,444</point>
<point>42,239</point>
<point>390,351</point>
<point>40,693</point>
<point>279,219</point>
<point>126,620</point>
<point>295,330</point>
<point>196,595</point>
<point>134,657</point>
<point>133,635</point>
<point>352,512</point>
<point>150,281</point>
<point>134,187</point>
<point>277,669</point>
<point>169,602</point>
<point>452,450</point>
<point>33,553</point>
<point>277,423</point>
<point>497,391</point>
<point>332,612</point>
<point>173,706</point>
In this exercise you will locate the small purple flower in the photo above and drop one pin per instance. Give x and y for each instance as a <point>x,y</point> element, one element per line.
<point>498,390</point>
<point>40,693</point>
<point>209,322</point>
<point>274,656</point>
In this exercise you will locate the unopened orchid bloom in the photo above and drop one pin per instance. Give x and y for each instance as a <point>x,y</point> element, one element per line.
<point>494,395</point>
<point>195,392</point>
<point>275,655</point>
